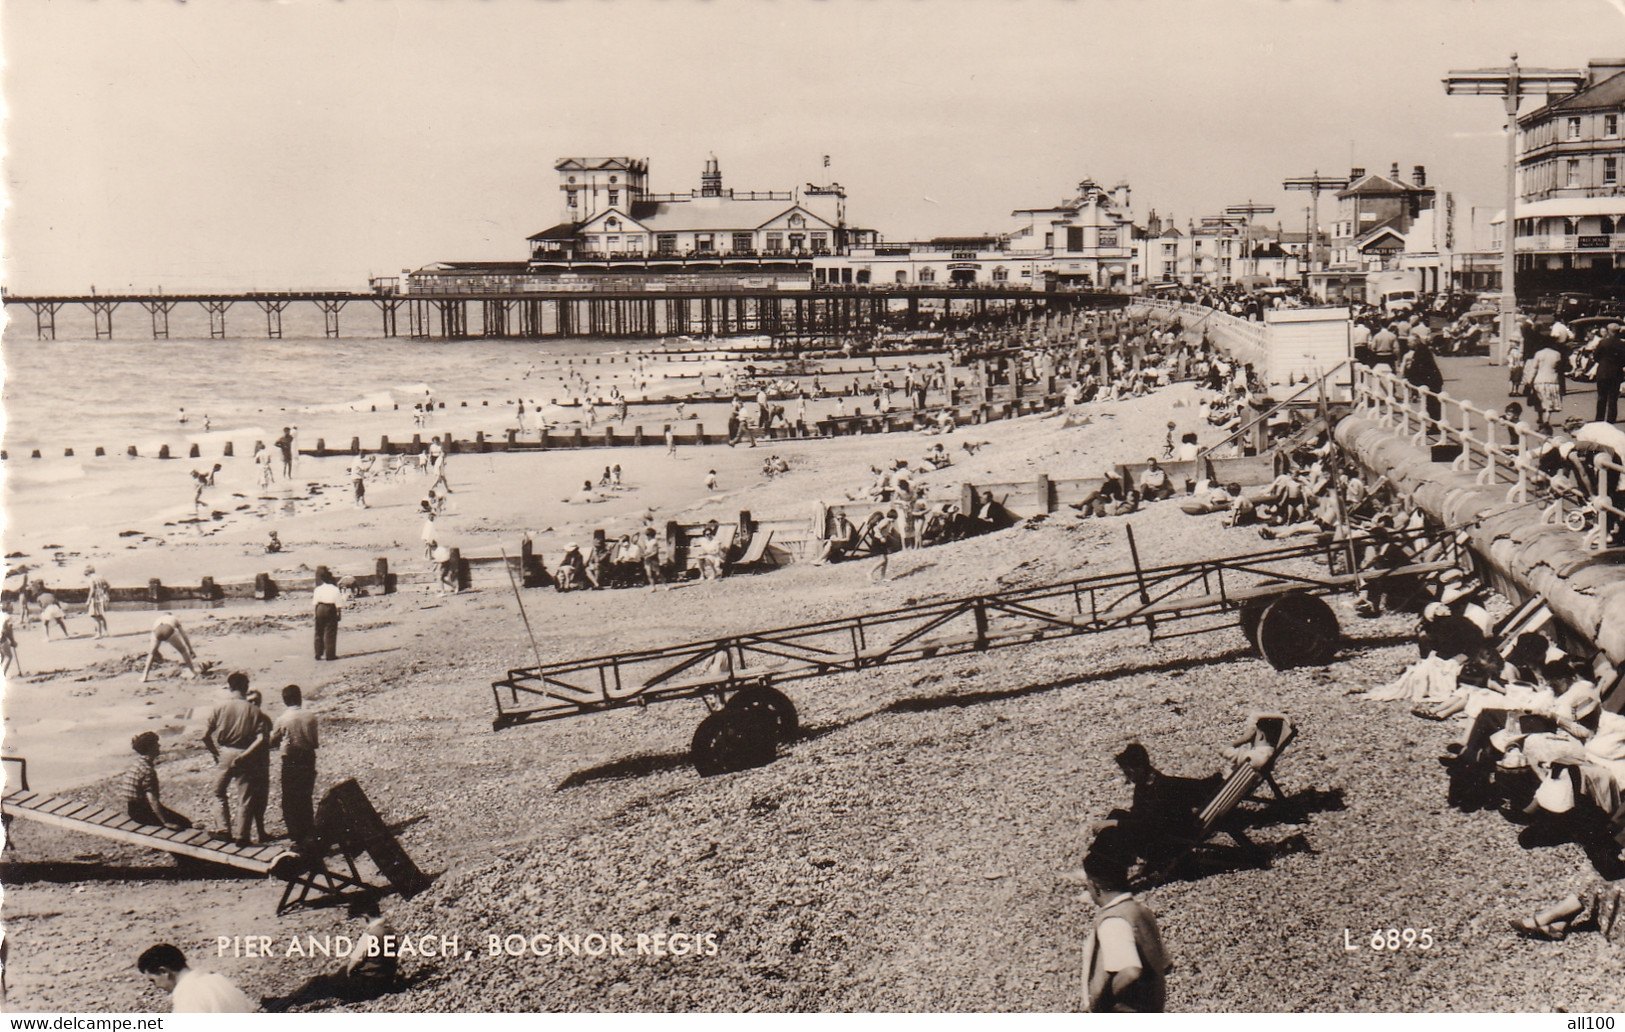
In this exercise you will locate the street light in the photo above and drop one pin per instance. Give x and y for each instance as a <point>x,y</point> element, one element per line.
<point>1513,84</point>
<point>1222,225</point>
<point>1247,211</point>
<point>1314,184</point>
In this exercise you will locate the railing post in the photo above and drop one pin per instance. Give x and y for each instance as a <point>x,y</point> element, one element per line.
<point>1597,539</point>
<point>1520,491</point>
<point>1492,452</point>
<point>1464,460</point>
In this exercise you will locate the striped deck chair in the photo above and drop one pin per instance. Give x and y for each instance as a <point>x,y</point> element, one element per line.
<point>1257,751</point>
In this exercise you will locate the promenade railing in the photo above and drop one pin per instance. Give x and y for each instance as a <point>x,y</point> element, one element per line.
<point>1497,450</point>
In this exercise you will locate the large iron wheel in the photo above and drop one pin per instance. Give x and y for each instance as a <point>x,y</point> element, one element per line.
<point>733,739</point>
<point>771,703</point>
<point>1250,615</point>
<point>1298,630</point>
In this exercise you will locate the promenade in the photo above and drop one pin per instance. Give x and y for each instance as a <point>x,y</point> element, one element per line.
<point>1472,378</point>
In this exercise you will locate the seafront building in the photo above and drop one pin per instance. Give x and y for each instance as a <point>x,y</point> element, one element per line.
<point>1571,209</point>
<point>615,233</point>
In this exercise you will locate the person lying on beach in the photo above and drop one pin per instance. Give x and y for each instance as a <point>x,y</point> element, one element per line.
<point>938,458</point>
<point>370,972</point>
<point>585,496</point>
<point>168,628</point>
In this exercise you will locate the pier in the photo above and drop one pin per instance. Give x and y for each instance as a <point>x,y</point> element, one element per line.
<point>554,310</point>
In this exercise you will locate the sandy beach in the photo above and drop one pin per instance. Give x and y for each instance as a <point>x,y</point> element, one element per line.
<point>833,878</point>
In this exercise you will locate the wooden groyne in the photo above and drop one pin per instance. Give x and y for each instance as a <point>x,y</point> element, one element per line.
<point>470,570</point>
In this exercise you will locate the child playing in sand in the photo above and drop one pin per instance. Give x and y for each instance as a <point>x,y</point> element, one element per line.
<point>168,628</point>
<point>711,480</point>
<point>51,613</point>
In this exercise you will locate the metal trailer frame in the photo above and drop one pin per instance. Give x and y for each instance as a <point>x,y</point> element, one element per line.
<point>1265,593</point>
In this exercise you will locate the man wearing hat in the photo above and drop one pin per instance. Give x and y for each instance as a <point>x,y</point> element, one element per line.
<point>237,728</point>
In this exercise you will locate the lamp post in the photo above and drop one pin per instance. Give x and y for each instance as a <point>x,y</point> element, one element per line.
<point>1314,184</point>
<point>1246,212</point>
<point>1511,83</point>
<point>1223,225</point>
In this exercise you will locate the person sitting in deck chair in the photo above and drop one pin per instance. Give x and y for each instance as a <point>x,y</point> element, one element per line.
<point>707,552</point>
<point>843,538</point>
<point>1164,807</point>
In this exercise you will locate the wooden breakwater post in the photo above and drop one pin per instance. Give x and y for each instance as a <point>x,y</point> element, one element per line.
<point>386,583</point>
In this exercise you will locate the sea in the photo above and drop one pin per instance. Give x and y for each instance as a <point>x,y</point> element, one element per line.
<point>80,393</point>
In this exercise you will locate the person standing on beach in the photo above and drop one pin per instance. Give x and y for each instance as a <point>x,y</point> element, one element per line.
<point>235,728</point>
<point>358,483</point>
<point>671,441</point>
<point>293,450</point>
<point>328,600</point>
<point>522,426</point>
<point>1125,963</point>
<point>168,628</point>
<point>8,647</point>
<point>258,764</point>
<point>649,548</point>
<point>295,733</point>
<point>262,459</point>
<point>284,444</point>
<point>96,600</point>
<point>430,535</point>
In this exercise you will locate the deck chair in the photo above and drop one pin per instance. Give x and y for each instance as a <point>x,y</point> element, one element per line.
<point>757,552</point>
<point>1269,736</point>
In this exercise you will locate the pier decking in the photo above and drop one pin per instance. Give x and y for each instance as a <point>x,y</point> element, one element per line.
<point>553,309</point>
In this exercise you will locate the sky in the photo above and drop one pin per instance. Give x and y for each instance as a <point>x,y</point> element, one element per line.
<point>242,145</point>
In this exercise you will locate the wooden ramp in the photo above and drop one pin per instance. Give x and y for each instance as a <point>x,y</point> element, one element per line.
<point>303,874</point>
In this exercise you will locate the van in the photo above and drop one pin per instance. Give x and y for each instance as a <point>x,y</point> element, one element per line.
<point>1395,302</point>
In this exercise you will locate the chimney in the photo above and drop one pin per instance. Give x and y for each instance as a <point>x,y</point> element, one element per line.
<point>1600,68</point>
<point>711,179</point>
<point>1356,173</point>
<point>1420,175</point>
<point>1393,171</point>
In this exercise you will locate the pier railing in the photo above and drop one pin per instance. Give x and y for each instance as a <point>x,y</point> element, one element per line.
<point>1496,450</point>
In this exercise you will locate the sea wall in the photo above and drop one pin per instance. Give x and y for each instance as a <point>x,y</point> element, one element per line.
<point>1520,554</point>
